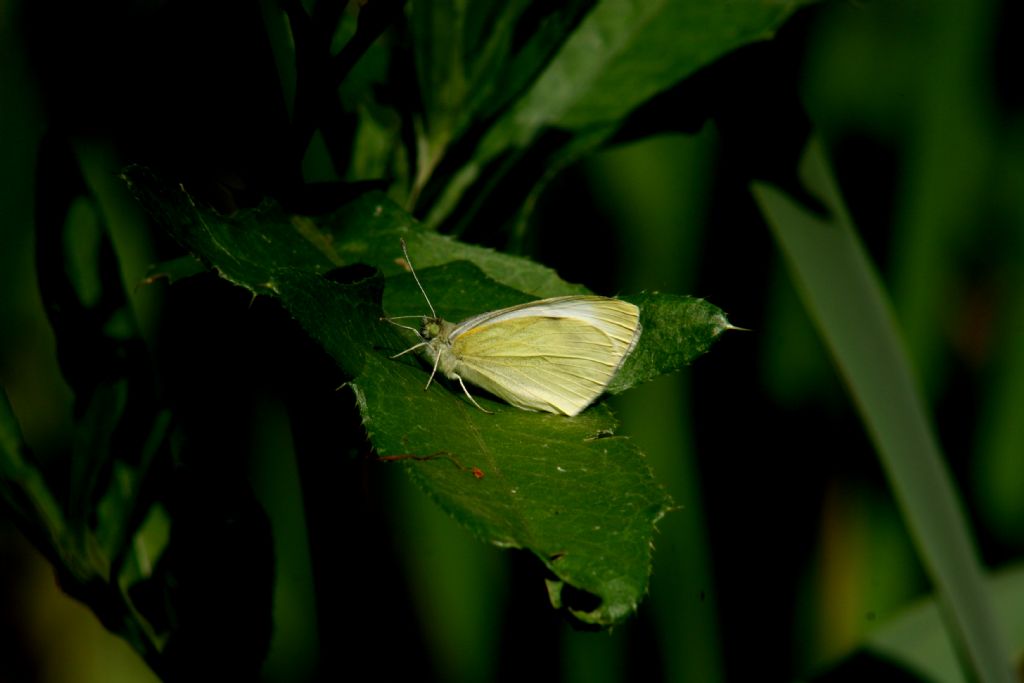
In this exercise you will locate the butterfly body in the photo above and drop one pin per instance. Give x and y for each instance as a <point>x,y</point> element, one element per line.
<point>554,355</point>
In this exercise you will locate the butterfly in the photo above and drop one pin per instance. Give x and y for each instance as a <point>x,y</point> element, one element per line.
<point>554,355</point>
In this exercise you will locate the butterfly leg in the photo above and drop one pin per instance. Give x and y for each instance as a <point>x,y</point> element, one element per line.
<point>470,396</point>
<point>434,372</point>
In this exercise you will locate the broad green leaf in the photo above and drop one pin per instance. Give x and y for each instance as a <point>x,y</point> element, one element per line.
<point>626,51</point>
<point>581,499</point>
<point>842,293</point>
<point>676,330</point>
<point>366,231</point>
<point>621,54</point>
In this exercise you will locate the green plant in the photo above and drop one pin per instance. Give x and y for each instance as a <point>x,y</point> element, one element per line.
<point>222,436</point>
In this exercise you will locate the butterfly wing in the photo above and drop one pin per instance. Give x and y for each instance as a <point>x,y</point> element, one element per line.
<point>555,355</point>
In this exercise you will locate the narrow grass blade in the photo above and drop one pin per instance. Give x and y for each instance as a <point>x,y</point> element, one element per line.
<point>842,292</point>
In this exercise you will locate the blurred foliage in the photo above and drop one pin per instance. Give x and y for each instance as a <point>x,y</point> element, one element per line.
<point>181,457</point>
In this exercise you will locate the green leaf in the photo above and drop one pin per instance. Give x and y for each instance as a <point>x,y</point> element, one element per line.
<point>23,491</point>
<point>916,637</point>
<point>104,362</point>
<point>621,54</point>
<point>842,293</point>
<point>367,230</point>
<point>82,511</point>
<point>473,58</point>
<point>581,499</point>
<point>676,330</point>
<point>625,51</point>
<point>174,270</point>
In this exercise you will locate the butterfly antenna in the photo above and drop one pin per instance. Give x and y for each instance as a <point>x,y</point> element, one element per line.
<point>415,277</point>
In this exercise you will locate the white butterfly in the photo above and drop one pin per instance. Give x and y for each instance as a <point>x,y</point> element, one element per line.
<point>555,355</point>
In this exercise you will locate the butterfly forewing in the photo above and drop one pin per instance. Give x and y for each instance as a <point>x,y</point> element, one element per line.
<point>555,355</point>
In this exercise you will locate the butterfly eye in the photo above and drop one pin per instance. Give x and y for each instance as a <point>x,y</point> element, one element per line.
<point>431,330</point>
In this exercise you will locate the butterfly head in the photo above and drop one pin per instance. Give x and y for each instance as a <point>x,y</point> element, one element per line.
<point>430,328</point>
<point>435,328</point>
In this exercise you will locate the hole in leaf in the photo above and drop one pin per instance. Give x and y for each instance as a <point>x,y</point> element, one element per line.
<point>350,275</point>
<point>579,600</point>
